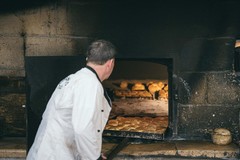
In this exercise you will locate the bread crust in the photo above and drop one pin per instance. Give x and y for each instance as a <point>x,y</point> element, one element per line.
<point>138,87</point>
<point>138,124</point>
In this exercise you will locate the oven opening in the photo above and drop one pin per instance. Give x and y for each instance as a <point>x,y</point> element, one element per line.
<point>140,90</point>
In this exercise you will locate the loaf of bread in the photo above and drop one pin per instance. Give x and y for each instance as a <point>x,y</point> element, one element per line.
<point>165,88</point>
<point>124,85</point>
<point>221,136</point>
<point>163,94</point>
<point>153,88</point>
<point>138,87</point>
<point>161,85</point>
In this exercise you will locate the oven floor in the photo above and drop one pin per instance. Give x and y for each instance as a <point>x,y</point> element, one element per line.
<point>15,149</point>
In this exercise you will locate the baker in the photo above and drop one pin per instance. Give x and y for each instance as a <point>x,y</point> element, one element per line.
<point>77,112</point>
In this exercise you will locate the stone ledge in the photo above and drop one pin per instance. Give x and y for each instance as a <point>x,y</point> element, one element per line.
<point>12,147</point>
<point>206,149</point>
<point>15,148</point>
<point>12,153</point>
<point>187,149</point>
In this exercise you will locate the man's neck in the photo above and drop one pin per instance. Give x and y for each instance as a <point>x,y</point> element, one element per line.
<point>99,70</point>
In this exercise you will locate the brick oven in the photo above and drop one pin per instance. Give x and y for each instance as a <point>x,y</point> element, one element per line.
<point>189,47</point>
<point>195,98</point>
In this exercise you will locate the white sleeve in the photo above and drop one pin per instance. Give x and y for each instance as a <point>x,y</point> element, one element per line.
<point>86,118</point>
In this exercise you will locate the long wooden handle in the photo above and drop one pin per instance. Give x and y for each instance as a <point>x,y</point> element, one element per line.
<point>118,148</point>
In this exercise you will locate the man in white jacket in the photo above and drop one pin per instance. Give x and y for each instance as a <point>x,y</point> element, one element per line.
<point>77,112</point>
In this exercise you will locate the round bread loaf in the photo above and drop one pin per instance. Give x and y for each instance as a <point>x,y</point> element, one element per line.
<point>161,85</point>
<point>124,85</point>
<point>221,136</point>
<point>138,86</point>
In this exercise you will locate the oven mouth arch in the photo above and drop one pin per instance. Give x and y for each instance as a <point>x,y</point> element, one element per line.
<point>135,66</point>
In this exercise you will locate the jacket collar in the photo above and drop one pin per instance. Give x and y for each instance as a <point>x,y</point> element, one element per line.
<point>105,92</point>
<point>91,69</point>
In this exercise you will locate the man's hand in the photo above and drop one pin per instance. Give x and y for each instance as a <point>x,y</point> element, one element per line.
<point>103,156</point>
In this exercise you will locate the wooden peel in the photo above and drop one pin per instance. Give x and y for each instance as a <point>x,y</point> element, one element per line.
<point>115,150</point>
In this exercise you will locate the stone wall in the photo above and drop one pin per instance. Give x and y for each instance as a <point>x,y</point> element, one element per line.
<point>209,88</point>
<point>30,29</point>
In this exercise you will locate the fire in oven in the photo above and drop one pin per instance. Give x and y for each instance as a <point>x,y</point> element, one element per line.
<point>140,96</point>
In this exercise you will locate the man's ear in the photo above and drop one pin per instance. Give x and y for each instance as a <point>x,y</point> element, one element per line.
<point>110,62</point>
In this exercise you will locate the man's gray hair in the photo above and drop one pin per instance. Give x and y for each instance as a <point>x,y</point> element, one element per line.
<point>100,51</point>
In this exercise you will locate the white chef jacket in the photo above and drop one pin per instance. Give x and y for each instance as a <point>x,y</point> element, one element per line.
<point>74,119</point>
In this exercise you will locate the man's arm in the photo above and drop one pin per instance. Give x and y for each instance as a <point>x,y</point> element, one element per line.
<point>86,120</point>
